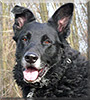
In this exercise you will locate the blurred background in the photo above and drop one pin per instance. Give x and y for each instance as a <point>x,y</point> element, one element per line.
<point>42,11</point>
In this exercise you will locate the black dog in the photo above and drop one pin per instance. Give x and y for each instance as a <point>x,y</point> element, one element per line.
<point>46,64</point>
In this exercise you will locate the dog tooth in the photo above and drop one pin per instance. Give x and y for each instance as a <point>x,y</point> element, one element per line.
<point>15,63</point>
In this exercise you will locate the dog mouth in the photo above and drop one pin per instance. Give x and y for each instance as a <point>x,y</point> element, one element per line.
<point>32,74</point>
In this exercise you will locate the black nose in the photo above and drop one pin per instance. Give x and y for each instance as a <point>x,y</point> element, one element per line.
<point>31,58</point>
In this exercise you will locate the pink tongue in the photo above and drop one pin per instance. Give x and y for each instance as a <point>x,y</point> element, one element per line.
<point>30,74</point>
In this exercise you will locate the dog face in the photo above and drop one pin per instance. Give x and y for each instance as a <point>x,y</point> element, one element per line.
<point>39,45</point>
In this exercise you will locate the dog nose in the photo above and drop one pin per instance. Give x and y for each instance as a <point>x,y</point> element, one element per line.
<point>31,58</point>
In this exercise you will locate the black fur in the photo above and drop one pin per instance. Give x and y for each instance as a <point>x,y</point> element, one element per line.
<point>67,75</point>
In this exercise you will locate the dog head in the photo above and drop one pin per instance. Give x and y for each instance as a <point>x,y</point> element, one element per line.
<point>39,45</point>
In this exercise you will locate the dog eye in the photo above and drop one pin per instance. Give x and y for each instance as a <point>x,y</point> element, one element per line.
<point>27,37</point>
<point>24,38</point>
<point>47,41</point>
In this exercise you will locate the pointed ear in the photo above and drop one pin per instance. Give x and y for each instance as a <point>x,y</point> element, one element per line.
<point>62,18</point>
<point>22,16</point>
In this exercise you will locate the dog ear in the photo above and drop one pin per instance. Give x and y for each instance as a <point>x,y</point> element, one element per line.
<point>62,18</point>
<point>22,16</point>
